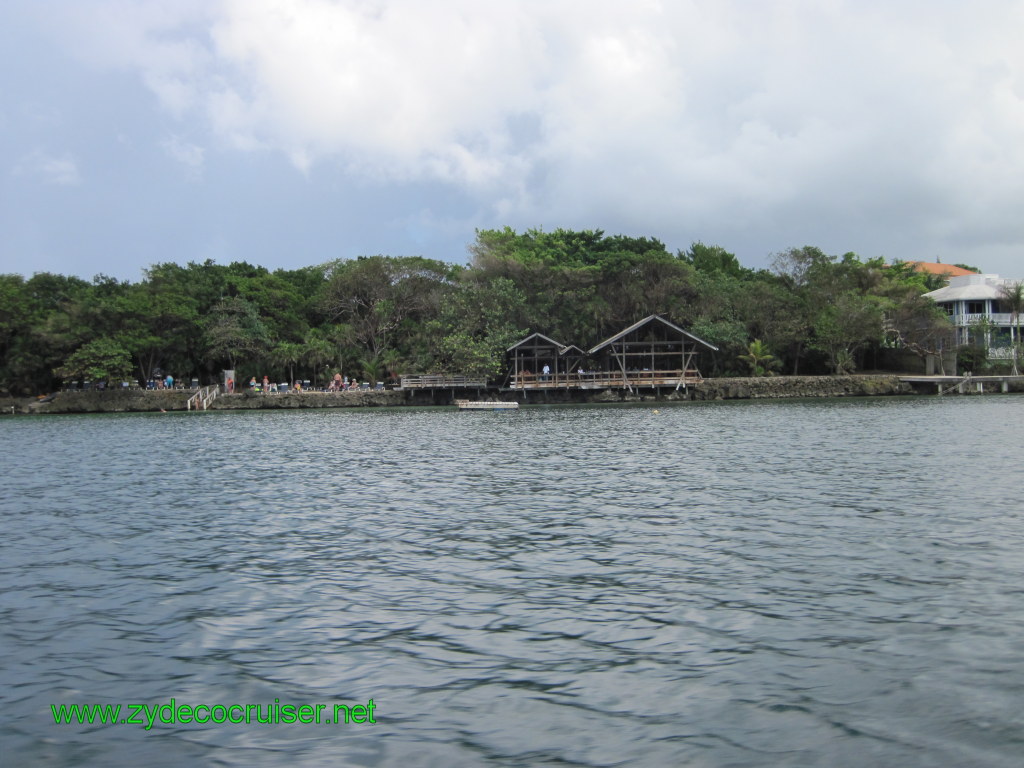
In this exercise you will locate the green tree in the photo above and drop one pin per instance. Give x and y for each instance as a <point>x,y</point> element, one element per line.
<point>713,258</point>
<point>45,326</point>
<point>759,358</point>
<point>919,325</point>
<point>287,354</point>
<point>971,358</point>
<point>317,352</point>
<point>1011,295</point>
<point>838,303</point>
<point>370,367</point>
<point>842,328</point>
<point>777,315</point>
<point>376,295</point>
<point>475,329</point>
<point>234,331</point>
<point>583,285</point>
<point>99,360</point>
<point>393,363</point>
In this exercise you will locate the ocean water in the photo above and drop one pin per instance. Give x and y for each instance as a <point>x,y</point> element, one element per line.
<point>784,583</point>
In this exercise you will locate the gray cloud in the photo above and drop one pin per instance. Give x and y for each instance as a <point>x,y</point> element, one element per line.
<point>890,129</point>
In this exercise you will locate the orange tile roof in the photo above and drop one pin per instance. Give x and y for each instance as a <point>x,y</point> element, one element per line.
<point>939,269</point>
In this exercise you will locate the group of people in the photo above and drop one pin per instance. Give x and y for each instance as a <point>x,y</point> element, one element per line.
<point>545,374</point>
<point>264,386</point>
<point>341,383</point>
<point>165,383</point>
<point>338,384</point>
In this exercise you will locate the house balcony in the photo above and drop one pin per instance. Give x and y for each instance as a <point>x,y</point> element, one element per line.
<point>996,318</point>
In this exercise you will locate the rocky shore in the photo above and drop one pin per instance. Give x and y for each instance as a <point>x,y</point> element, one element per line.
<point>801,386</point>
<point>126,401</point>
<point>140,400</point>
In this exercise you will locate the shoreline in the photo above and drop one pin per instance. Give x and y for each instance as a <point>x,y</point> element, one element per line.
<point>747,388</point>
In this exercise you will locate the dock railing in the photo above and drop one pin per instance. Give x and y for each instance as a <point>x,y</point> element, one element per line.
<point>202,398</point>
<point>439,381</point>
<point>605,379</point>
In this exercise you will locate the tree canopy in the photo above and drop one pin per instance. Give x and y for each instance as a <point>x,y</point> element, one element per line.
<point>381,316</point>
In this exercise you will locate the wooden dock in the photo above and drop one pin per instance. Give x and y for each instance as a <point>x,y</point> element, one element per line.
<point>439,381</point>
<point>963,384</point>
<point>676,379</point>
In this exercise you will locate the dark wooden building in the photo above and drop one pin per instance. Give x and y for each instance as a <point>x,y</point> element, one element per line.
<point>528,358</point>
<point>652,353</point>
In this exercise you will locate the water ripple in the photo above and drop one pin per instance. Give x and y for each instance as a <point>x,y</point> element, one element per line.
<point>832,583</point>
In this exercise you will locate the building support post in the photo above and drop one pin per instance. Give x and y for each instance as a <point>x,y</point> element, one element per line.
<point>622,365</point>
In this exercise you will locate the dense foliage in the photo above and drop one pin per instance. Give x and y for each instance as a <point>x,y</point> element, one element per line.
<point>378,317</point>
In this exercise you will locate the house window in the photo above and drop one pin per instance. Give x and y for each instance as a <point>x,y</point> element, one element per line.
<point>975,307</point>
<point>975,337</point>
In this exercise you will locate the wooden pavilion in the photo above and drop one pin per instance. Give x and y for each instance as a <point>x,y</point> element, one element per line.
<point>573,360</point>
<point>650,353</point>
<point>528,358</point>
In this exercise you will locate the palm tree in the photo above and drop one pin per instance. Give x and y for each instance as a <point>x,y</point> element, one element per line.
<point>393,361</point>
<point>317,351</point>
<point>760,360</point>
<point>1012,295</point>
<point>370,366</point>
<point>288,354</point>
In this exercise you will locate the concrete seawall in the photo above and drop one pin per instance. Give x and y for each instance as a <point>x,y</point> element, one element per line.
<point>136,400</point>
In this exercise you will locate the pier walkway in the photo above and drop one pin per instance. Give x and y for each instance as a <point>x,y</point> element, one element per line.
<point>964,384</point>
<point>605,380</point>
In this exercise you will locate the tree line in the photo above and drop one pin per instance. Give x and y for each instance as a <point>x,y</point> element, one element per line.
<point>378,317</point>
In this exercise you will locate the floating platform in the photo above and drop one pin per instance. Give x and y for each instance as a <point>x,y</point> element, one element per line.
<point>486,405</point>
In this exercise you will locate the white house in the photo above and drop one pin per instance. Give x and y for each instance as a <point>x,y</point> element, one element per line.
<point>975,306</point>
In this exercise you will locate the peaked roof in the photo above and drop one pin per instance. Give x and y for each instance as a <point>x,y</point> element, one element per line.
<point>571,348</point>
<point>532,336</point>
<point>975,287</point>
<point>645,321</point>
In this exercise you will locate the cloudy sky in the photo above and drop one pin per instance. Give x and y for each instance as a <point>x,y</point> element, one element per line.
<point>290,132</point>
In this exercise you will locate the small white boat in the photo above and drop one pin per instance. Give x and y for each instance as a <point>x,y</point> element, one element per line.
<point>486,405</point>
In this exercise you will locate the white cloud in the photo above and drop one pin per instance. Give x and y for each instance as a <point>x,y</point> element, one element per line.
<point>59,171</point>
<point>189,155</point>
<point>714,115</point>
<point>165,42</point>
<point>397,90</point>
